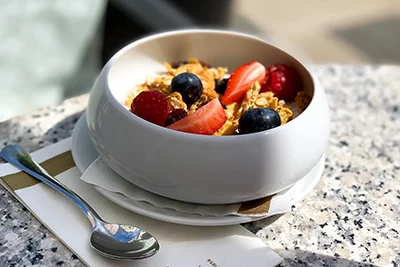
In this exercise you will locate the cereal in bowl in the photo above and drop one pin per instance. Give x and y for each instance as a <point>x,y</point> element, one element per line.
<point>194,97</point>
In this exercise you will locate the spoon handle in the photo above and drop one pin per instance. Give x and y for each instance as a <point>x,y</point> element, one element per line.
<point>18,157</point>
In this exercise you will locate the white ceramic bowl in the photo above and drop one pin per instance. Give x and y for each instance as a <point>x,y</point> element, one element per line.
<point>196,168</point>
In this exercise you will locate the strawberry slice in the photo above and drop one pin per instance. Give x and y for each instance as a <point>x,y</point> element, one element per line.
<point>206,120</point>
<point>241,80</point>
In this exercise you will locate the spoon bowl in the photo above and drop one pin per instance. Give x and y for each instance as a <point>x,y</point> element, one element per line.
<point>121,241</point>
<point>112,240</point>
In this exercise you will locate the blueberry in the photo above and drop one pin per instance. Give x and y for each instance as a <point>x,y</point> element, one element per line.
<point>175,116</point>
<point>221,86</point>
<point>258,119</point>
<point>188,85</point>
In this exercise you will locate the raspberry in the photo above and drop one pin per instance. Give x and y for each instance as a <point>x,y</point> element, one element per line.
<point>283,81</point>
<point>151,106</point>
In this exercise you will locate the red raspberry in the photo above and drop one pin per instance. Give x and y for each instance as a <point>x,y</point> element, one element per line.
<point>151,106</point>
<point>283,81</point>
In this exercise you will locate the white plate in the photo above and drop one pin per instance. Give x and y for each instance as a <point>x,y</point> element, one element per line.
<point>84,154</point>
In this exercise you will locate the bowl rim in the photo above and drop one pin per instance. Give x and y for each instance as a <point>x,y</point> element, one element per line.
<point>166,131</point>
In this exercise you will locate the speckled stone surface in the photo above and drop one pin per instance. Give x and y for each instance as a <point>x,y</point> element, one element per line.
<point>351,218</point>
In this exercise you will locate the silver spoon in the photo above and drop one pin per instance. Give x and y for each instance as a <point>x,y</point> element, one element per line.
<point>117,241</point>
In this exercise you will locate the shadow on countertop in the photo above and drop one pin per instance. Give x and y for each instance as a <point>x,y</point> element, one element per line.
<point>304,258</point>
<point>61,130</point>
<point>308,258</point>
<point>31,137</point>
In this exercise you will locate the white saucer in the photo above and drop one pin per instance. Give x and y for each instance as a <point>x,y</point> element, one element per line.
<point>84,154</point>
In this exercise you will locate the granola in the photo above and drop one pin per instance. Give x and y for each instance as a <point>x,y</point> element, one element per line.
<point>198,104</point>
<point>249,99</point>
<point>175,101</point>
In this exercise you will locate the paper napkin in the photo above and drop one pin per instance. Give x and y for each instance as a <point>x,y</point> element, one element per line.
<point>181,246</point>
<point>101,175</point>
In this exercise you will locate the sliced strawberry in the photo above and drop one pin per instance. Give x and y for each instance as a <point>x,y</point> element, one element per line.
<point>241,80</point>
<point>206,120</point>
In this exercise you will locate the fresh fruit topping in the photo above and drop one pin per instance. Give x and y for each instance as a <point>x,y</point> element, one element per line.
<point>151,106</point>
<point>258,119</point>
<point>283,80</point>
<point>188,85</point>
<point>220,88</point>
<point>241,80</point>
<point>206,120</point>
<point>175,116</point>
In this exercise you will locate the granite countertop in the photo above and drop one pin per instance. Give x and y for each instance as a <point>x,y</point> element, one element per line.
<point>351,218</point>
